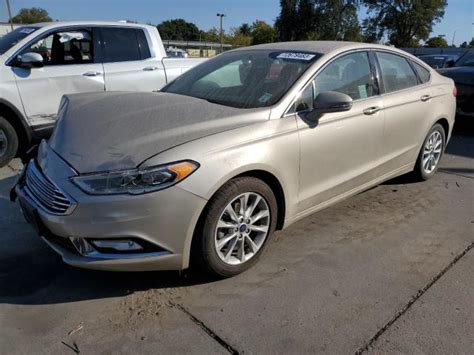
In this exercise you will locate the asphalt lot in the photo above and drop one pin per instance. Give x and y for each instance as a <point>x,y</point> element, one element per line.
<point>389,270</point>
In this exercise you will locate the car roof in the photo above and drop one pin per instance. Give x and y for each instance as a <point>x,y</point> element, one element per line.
<point>84,23</point>
<point>321,47</point>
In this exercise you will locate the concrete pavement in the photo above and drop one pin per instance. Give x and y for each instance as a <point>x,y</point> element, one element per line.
<point>389,270</point>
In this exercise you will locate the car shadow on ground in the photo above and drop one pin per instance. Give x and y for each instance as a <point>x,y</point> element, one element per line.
<point>45,279</point>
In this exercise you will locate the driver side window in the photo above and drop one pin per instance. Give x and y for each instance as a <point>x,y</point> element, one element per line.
<point>349,74</point>
<point>64,47</point>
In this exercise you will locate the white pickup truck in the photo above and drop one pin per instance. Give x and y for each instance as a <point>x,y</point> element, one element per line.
<point>40,63</point>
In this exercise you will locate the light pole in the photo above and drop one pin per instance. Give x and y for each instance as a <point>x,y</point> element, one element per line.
<point>222,34</point>
<point>454,36</point>
<point>9,14</point>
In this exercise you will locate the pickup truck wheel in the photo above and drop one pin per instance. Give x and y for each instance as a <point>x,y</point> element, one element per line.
<point>239,220</point>
<point>8,142</point>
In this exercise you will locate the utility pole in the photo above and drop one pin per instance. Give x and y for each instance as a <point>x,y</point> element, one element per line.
<point>9,14</point>
<point>222,33</point>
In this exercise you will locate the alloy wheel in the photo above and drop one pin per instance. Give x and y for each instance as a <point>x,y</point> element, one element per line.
<point>432,152</point>
<point>242,228</point>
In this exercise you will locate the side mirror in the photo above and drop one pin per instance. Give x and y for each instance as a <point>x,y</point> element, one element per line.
<point>449,63</point>
<point>330,101</point>
<point>30,60</point>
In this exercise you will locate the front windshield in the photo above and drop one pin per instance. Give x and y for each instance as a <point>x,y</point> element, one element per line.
<point>10,39</point>
<point>466,60</point>
<point>244,79</point>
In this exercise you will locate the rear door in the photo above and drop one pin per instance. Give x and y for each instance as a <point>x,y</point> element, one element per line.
<point>71,65</point>
<point>407,102</point>
<point>128,61</point>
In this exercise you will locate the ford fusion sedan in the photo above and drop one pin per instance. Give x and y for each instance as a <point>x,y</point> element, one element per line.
<point>248,142</point>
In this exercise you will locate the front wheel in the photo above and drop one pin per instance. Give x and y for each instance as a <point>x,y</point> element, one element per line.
<point>238,222</point>
<point>8,142</point>
<point>431,153</point>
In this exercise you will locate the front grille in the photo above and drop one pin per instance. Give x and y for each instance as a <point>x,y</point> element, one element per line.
<point>45,192</point>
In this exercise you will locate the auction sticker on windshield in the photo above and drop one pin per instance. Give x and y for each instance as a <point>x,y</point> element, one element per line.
<point>296,56</point>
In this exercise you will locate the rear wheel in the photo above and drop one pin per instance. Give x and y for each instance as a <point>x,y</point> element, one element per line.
<point>8,142</point>
<point>431,153</point>
<point>238,223</point>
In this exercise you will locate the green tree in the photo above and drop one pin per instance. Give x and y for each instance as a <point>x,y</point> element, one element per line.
<point>179,30</point>
<point>262,32</point>
<point>436,42</point>
<point>212,35</point>
<point>464,45</point>
<point>32,15</point>
<point>404,22</point>
<point>319,19</point>
<point>240,36</point>
<point>244,29</point>
<point>286,22</point>
<point>471,44</point>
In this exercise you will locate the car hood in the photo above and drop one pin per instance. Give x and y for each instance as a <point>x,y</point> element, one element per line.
<point>460,75</point>
<point>119,130</point>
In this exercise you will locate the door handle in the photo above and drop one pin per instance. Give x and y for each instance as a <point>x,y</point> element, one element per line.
<point>371,110</point>
<point>150,68</point>
<point>425,98</point>
<point>91,73</point>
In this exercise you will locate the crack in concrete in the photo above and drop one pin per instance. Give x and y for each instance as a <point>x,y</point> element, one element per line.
<point>441,170</point>
<point>205,328</point>
<point>364,348</point>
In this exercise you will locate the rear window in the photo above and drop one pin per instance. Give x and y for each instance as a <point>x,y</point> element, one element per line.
<point>397,73</point>
<point>120,44</point>
<point>10,39</point>
<point>143,44</point>
<point>423,73</point>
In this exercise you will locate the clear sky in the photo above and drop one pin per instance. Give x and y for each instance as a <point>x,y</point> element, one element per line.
<point>459,14</point>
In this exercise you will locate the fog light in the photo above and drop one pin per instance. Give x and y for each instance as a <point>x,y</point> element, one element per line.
<point>118,245</point>
<point>81,245</point>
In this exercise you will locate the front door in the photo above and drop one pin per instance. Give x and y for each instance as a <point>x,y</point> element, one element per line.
<point>69,68</point>
<point>340,152</point>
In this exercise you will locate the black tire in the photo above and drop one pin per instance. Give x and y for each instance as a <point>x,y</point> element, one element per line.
<point>419,172</point>
<point>9,148</point>
<point>205,254</point>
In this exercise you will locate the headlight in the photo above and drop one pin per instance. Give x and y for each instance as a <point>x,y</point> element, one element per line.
<point>137,181</point>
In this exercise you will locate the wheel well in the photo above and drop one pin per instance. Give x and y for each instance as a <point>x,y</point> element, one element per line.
<point>10,115</point>
<point>444,123</point>
<point>277,189</point>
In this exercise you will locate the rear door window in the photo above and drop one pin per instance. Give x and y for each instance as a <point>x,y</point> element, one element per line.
<point>120,44</point>
<point>143,45</point>
<point>397,73</point>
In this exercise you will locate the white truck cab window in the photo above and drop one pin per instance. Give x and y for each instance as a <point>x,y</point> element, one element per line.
<point>64,47</point>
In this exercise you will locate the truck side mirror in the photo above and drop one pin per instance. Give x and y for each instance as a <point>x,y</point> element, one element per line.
<point>29,60</point>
